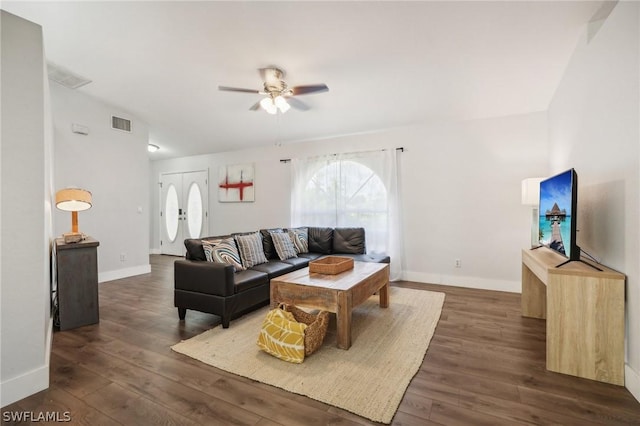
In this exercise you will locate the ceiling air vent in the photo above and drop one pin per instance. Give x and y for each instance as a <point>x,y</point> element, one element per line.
<point>65,77</point>
<point>119,123</point>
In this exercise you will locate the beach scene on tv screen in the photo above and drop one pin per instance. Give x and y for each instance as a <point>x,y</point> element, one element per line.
<point>555,213</point>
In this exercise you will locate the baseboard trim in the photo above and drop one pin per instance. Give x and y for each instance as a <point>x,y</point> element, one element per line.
<point>632,381</point>
<point>29,383</point>
<point>461,281</point>
<point>123,273</point>
<point>25,385</point>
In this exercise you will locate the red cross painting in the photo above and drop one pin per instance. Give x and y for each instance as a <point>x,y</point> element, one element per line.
<point>236,184</point>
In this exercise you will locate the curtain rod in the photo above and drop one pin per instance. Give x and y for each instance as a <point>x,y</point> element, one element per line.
<point>287,160</point>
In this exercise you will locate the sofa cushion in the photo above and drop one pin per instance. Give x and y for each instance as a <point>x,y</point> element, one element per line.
<point>251,250</point>
<point>310,256</point>
<point>249,278</point>
<point>349,240</point>
<point>283,244</point>
<point>375,258</point>
<point>274,268</point>
<point>300,239</point>
<point>320,240</point>
<point>298,262</point>
<point>223,251</point>
<point>267,242</point>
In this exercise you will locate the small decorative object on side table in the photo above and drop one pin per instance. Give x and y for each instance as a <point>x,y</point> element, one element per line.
<point>77,285</point>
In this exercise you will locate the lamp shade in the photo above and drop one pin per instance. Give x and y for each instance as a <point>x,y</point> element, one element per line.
<point>73,199</point>
<point>531,191</point>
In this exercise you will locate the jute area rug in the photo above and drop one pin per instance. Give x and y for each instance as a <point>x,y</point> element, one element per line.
<point>369,379</point>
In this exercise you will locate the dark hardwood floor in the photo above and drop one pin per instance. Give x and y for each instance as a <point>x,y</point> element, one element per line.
<point>485,366</point>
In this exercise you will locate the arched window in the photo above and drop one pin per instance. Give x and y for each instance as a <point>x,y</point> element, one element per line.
<point>350,190</point>
<point>346,193</point>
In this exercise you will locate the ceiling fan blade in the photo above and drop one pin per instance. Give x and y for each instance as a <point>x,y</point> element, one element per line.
<point>237,89</point>
<point>255,107</point>
<point>297,104</point>
<point>312,88</point>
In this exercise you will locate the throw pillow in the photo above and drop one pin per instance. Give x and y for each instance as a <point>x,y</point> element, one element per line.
<point>282,336</point>
<point>300,239</point>
<point>251,249</point>
<point>194,249</point>
<point>283,244</point>
<point>267,242</point>
<point>223,251</point>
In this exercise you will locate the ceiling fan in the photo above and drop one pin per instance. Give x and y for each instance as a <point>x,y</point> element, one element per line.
<point>279,96</point>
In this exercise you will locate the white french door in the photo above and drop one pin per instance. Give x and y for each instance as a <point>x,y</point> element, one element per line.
<point>184,209</point>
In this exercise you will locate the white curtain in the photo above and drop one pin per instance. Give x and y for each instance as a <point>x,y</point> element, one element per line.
<point>351,190</point>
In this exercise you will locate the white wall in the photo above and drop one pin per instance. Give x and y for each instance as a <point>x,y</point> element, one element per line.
<point>594,127</point>
<point>114,166</point>
<point>460,184</point>
<point>25,200</point>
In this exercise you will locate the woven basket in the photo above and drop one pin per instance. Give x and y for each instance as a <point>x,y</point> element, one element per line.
<point>316,327</point>
<point>331,265</point>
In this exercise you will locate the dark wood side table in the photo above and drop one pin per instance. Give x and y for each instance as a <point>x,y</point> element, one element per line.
<point>77,289</point>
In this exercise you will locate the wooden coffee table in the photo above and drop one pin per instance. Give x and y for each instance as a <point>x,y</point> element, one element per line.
<point>334,293</point>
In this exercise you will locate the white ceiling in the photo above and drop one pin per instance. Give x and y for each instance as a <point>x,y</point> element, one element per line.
<point>387,64</point>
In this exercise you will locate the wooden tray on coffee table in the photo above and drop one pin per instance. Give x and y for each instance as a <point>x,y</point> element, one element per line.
<point>330,265</point>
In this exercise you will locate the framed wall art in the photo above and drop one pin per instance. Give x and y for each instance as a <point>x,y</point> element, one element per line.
<point>236,184</point>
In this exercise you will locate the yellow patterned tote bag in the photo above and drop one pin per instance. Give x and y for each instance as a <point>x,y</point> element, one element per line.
<point>282,336</point>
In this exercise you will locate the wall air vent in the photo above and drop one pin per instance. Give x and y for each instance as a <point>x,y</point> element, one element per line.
<point>65,77</point>
<point>119,123</point>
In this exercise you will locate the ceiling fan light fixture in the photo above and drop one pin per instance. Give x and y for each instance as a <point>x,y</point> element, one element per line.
<point>279,97</point>
<point>268,105</point>
<point>282,104</point>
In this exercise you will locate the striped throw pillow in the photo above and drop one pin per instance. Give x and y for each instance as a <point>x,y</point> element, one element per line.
<point>300,238</point>
<point>283,244</point>
<point>223,251</point>
<point>251,249</point>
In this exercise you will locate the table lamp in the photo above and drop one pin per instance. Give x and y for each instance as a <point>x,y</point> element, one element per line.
<point>73,200</point>
<point>531,197</point>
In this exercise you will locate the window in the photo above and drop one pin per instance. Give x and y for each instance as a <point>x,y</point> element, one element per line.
<point>171,213</point>
<point>194,210</point>
<point>347,194</point>
<point>350,190</point>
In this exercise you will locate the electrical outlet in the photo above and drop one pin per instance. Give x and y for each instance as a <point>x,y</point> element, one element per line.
<point>458,263</point>
<point>123,257</point>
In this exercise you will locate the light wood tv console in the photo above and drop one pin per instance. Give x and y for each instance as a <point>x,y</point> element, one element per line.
<point>584,309</point>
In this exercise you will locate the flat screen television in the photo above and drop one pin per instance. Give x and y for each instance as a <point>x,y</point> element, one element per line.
<point>558,209</point>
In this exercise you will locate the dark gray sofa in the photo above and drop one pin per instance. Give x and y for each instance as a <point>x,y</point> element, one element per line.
<point>217,289</point>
